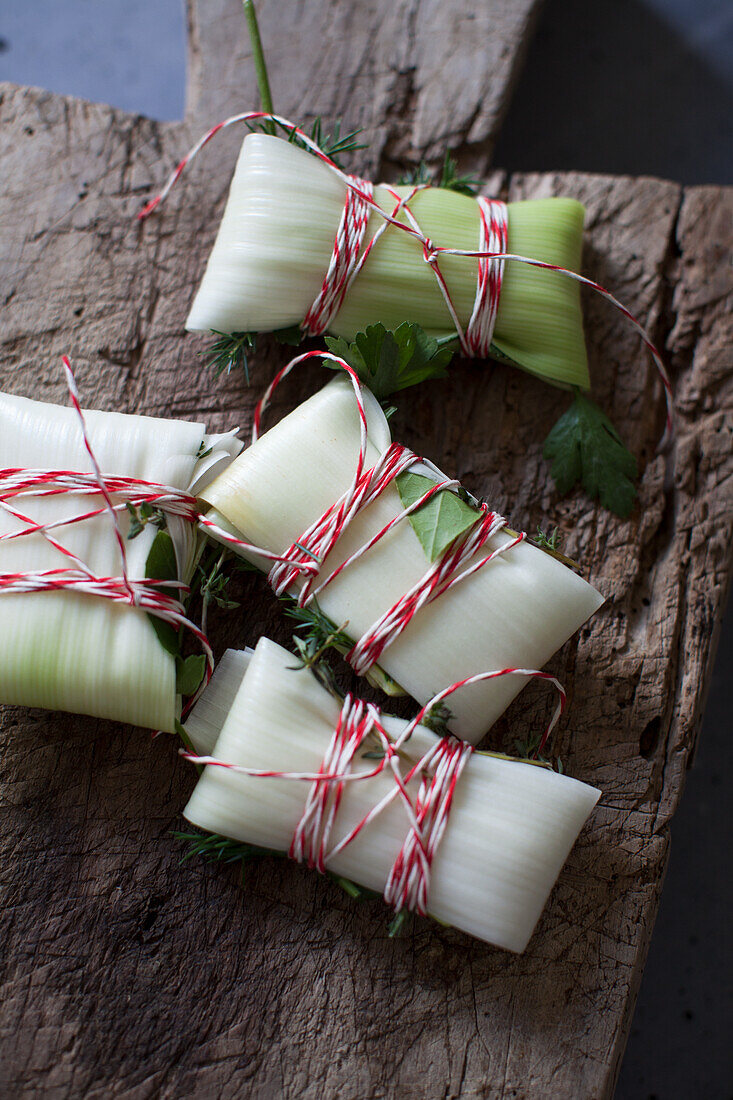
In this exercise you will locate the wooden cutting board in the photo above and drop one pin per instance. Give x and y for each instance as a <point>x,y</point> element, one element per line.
<point>125,974</point>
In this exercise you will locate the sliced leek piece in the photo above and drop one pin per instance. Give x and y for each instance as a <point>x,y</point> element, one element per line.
<point>511,827</point>
<point>515,612</point>
<point>205,722</point>
<point>277,234</point>
<point>82,653</point>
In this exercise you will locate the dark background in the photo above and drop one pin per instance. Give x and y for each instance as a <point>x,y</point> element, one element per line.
<point>643,87</point>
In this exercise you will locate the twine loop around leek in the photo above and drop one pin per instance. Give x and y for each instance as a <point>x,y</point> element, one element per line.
<point>339,278</point>
<point>438,771</point>
<point>302,561</point>
<point>160,598</point>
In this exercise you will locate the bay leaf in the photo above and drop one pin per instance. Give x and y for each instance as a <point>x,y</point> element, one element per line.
<point>441,519</point>
<point>161,565</point>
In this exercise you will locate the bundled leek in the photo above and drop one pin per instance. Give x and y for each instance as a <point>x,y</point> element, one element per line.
<point>514,612</point>
<point>277,235</point>
<point>73,651</point>
<point>511,825</point>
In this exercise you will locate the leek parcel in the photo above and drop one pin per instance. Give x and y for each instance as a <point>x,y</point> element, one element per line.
<point>277,235</point>
<point>77,652</point>
<point>511,825</point>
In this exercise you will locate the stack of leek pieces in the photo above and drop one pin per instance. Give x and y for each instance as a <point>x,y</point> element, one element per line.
<point>277,234</point>
<point>511,826</point>
<point>77,652</point>
<point>514,612</point>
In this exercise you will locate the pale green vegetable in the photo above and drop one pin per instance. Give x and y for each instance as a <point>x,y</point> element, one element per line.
<point>76,652</point>
<point>511,827</point>
<point>277,234</point>
<point>514,612</point>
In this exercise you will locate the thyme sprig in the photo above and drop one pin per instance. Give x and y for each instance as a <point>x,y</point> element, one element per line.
<point>317,666</point>
<point>547,541</point>
<point>317,631</point>
<point>142,516</point>
<point>437,719</point>
<point>526,750</point>
<point>215,583</point>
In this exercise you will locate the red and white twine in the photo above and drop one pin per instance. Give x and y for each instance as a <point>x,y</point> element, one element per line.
<point>491,254</point>
<point>151,595</point>
<point>345,255</point>
<point>302,562</point>
<point>408,882</point>
<point>437,773</point>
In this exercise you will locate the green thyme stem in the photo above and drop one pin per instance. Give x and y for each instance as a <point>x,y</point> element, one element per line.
<point>258,56</point>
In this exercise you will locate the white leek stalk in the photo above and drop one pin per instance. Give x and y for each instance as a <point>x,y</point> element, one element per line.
<point>511,826</point>
<point>76,652</point>
<point>206,720</point>
<point>514,612</point>
<point>277,235</point>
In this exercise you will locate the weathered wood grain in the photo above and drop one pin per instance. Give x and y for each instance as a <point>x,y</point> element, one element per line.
<point>125,974</point>
<point>419,76</point>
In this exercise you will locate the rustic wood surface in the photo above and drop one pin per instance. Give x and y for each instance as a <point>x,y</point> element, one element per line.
<point>125,974</point>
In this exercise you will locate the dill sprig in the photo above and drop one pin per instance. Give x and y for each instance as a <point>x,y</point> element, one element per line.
<point>446,177</point>
<point>334,144</point>
<point>215,848</point>
<point>452,181</point>
<point>231,350</point>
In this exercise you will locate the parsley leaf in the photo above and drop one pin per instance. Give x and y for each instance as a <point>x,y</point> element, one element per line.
<point>584,446</point>
<point>161,565</point>
<point>387,361</point>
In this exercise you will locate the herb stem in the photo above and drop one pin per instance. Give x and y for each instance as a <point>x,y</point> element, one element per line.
<point>258,57</point>
<point>445,341</point>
